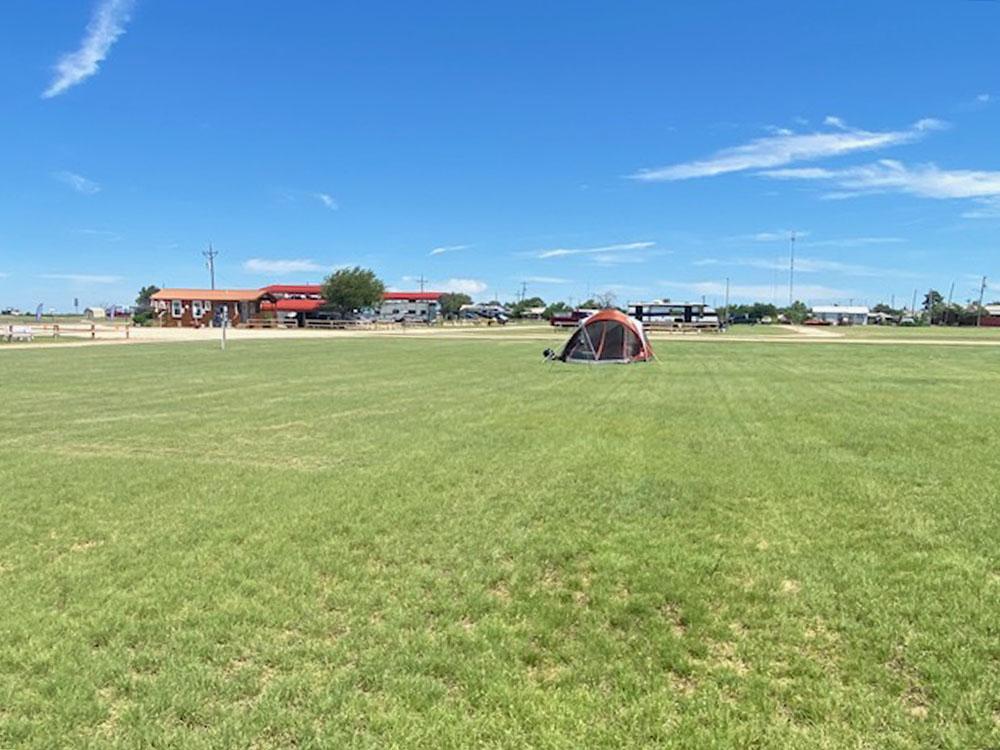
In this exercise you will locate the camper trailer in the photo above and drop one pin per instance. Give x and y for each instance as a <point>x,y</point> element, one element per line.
<point>675,315</point>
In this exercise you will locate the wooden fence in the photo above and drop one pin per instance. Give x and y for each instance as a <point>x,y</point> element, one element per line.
<point>29,332</point>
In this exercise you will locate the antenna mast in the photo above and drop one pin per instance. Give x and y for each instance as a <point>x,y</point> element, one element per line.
<point>791,269</point>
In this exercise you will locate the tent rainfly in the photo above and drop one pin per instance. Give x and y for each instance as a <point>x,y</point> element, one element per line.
<point>607,337</point>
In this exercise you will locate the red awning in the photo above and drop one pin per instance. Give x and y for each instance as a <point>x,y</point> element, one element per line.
<point>292,305</point>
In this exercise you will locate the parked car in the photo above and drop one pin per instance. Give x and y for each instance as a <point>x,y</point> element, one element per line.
<point>816,322</point>
<point>743,320</point>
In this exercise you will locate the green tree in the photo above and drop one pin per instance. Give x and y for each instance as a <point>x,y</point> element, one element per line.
<point>881,307</point>
<point>518,309</point>
<point>605,300</point>
<point>451,303</point>
<point>142,302</point>
<point>351,289</point>
<point>144,305</point>
<point>796,312</point>
<point>555,308</point>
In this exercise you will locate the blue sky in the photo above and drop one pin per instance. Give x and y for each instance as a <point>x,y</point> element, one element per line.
<point>651,149</point>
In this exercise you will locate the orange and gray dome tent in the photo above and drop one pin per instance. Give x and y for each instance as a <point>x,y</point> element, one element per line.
<point>607,337</point>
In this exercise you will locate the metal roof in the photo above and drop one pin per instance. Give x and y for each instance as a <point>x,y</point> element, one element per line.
<point>212,295</point>
<point>424,296</point>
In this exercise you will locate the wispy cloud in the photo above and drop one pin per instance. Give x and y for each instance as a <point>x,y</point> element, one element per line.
<point>988,208</point>
<point>546,280</point>
<point>106,25</point>
<point>787,147</point>
<point>103,233</point>
<point>759,292</point>
<point>853,242</point>
<point>78,182</point>
<point>448,249</point>
<point>809,265</point>
<point>774,235</point>
<point>983,98</point>
<point>282,266</point>
<point>608,251</point>
<point>463,286</point>
<point>82,278</point>
<point>925,181</point>
<point>327,200</point>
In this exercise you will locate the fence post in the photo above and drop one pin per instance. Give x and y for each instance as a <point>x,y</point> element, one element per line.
<point>55,330</point>
<point>127,326</point>
<point>93,331</point>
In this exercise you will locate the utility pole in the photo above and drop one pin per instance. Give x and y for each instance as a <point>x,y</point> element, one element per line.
<point>210,262</point>
<point>524,290</point>
<point>913,305</point>
<point>791,269</point>
<point>947,312</point>
<point>422,281</point>
<point>727,300</point>
<point>979,310</point>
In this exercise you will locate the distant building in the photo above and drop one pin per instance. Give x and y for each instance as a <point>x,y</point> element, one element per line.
<point>94,313</point>
<point>202,307</point>
<point>842,315</point>
<point>423,307</point>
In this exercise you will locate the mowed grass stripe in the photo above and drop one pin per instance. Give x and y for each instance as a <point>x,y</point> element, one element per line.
<point>437,543</point>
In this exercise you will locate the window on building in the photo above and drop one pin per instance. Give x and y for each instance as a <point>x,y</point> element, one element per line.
<point>196,311</point>
<point>176,308</point>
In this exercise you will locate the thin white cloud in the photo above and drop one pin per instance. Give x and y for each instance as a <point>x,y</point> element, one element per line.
<point>448,249</point>
<point>788,147</point>
<point>759,292</point>
<point>886,175</point>
<point>281,266</point>
<point>327,200</point>
<point>983,98</point>
<point>988,208</point>
<point>546,280</point>
<point>103,233</point>
<point>82,278</point>
<point>106,25</point>
<point>78,182</point>
<point>810,265</point>
<point>853,242</point>
<point>775,235</point>
<point>605,250</point>
<point>463,286</point>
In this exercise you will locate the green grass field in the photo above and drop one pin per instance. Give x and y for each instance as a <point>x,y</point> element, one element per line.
<point>419,543</point>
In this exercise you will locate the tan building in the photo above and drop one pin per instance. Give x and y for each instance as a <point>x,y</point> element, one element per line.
<point>194,308</point>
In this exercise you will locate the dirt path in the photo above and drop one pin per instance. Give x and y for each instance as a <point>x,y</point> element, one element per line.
<point>791,335</point>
